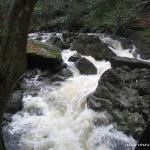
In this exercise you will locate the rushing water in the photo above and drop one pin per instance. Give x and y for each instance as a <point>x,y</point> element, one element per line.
<point>58,117</point>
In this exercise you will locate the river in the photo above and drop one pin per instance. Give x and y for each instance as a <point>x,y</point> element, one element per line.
<point>58,117</point>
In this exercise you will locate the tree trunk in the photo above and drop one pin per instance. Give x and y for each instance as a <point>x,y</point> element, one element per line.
<point>13,49</point>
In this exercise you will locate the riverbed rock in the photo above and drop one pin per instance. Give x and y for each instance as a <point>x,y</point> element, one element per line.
<point>124,93</point>
<point>7,117</point>
<point>39,55</point>
<point>55,43</point>
<point>58,78</point>
<point>39,36</point>
<point>91,45</point>
<point>66,73</point>
<point>68,37</point>
<point>74,57</point>
<point>85,66</point>
<point>130,62</point>
<point>15,103</point>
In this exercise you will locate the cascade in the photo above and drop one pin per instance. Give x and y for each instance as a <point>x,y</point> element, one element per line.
<point>58,117</point>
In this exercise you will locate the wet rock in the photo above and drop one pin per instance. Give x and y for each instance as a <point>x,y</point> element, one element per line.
<point>56,43</point>
<point>60,67</point>
<point>85,66</point>
<point>7,117</point>
<point>39,36</point>
<point>91,45</point>
<point>74,57</point>
<point>66,73</point>
<point>30,74</point>
<point>125,42</point>
<point>130,62</point>
<point>124,94</point>
<point>11,142</point>
<point>15,103</point>
<point>36,61</point>
<point>94,104</point>
<point>40,56</point>
<point>68,37</point>
<point>66,34</point>
<point>57,78</point>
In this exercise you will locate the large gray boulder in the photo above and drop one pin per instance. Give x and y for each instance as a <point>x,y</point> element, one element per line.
<point>124,93</point>
<point>85,66</point>
<point>39,55</point>
<point>91,45</point>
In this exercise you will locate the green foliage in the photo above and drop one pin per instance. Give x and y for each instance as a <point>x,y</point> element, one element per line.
<point>84,13</point>
<point>113,13</point>
<point>40,7</point>
<point>41,45</point>
<point>91,13</point>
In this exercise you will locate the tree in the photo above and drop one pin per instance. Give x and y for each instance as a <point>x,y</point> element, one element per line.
<point>13,49</point>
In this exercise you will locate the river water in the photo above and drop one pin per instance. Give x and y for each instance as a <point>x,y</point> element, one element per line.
<point>58,117</point>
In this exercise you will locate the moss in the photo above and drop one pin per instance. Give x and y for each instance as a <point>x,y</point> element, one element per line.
<point>41,45</point>
<point>54,53</point>
<point>29,50</point>
<point>42,49</point>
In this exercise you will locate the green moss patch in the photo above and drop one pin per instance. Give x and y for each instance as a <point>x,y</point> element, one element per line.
<point>42,49</point>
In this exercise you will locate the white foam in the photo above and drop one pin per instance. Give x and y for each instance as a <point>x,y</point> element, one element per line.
<point>58,117</point>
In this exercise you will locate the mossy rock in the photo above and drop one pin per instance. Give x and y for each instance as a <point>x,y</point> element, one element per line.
<point>40,48</point>
<point>39,55</point>
<point>91,45</point>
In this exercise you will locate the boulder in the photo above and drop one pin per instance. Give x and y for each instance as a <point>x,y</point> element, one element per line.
<point>40,56</point>
<point>15,103</point>
<point>7,117</point>
<point>67,34</point>
<point>39,36</point>
<point>91,45</point>
<point>85,66</point>
<point>130,62</point>
<point>55,43</point>
<point>124,93</point>
<point>66,73</point>
<point>68,37</point>
<point>74,57</point>
<point>58,78</point>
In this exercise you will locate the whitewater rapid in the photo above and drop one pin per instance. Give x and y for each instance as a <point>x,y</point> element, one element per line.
<point>58,117</point>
